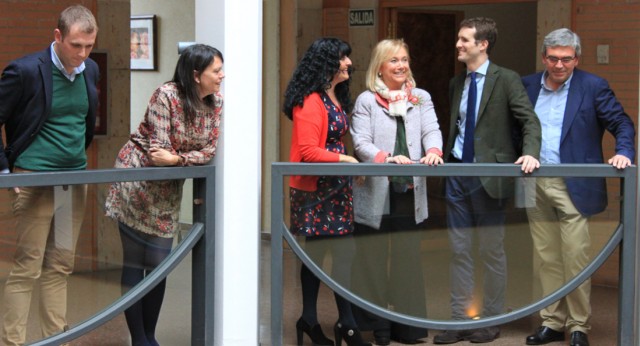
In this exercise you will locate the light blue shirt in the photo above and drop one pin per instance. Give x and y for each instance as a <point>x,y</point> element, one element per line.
<point>550,109</point>
<point>58,63</point>
<point>481,72</point>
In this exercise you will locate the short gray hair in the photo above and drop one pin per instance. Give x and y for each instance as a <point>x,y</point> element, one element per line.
<point>562,38</point>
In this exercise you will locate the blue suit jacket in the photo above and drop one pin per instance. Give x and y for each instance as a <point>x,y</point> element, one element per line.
<point>591,109</point>
<point>26,88</point>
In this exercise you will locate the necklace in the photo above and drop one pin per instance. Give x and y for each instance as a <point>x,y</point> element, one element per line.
<point>332,95</point>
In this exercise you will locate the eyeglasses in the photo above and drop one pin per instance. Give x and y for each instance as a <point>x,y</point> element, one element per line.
<point>554,59</point>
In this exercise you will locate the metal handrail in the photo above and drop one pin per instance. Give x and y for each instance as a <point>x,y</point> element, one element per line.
<point>624,235</point>
<point>136,293</point>
<point>97,176</point>
<point>199,242</point>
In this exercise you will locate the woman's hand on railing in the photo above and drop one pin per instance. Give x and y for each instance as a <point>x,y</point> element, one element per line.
<point>432,159</point>
<point>347,158</point>
<point>162,157</point>
<point>399,159</point>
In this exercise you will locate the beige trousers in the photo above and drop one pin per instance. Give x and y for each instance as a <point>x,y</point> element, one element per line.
<point>561,238</point>
<point>48,224</point>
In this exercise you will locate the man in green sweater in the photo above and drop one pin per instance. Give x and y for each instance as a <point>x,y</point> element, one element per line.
<point>48,102</point>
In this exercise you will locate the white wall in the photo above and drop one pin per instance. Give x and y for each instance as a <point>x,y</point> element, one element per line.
<point>176,22</point>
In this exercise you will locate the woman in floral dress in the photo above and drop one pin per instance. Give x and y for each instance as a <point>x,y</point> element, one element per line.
<point>180,128</point>
<point>317,99</point>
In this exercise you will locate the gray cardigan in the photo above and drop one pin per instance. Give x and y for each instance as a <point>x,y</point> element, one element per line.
<point>374,130</point>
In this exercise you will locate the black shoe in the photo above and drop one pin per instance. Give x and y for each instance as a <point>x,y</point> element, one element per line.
<point>315,333</point>
<point>579,339</point>
<point>482,335</point>
<point>382,337</point>
<point>350,335</point>
<point>407,341</point>
<point>451,336</point>
<point>544,335</point>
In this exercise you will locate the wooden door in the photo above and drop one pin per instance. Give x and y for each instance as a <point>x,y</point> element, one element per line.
<point>431,37</point>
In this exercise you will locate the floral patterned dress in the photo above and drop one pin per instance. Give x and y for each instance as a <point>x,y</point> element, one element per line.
<point>328,211</point>
<point>153,207</point>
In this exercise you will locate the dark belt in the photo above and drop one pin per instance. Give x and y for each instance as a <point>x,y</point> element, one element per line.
<point>452,159</point>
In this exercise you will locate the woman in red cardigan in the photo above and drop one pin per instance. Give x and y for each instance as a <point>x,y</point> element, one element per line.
<point>317,99</point>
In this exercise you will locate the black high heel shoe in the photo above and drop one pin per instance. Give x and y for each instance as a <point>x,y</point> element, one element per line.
<point>314,332</point>
<point>350,335</point>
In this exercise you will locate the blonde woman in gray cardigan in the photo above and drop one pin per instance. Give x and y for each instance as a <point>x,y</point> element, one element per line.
<point>393,122</point>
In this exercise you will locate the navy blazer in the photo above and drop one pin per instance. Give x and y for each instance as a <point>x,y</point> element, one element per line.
<point>591,108</point>
<point>26,88</point>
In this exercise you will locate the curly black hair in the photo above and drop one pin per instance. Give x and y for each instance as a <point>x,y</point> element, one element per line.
<point>315,72</point>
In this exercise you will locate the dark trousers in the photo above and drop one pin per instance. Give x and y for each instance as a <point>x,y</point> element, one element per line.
<point>471,212</point>
<point>387,270</point>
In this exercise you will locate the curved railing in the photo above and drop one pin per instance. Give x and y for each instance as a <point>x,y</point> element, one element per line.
<point>199,242</point>
<point>624,236</point>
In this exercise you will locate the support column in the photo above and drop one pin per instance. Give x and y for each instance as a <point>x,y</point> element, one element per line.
<point>235,28</point>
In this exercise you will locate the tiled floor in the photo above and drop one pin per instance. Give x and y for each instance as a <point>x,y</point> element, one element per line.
<point>92,292</point>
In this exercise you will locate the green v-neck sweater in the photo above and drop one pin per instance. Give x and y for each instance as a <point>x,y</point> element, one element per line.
<point>60,143</point>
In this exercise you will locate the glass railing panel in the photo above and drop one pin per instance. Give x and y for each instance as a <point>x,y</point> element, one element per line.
<point>406,268</point>
<point>91,270</point>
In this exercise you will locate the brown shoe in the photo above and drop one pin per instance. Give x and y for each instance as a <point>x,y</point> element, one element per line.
<point>482,335</point>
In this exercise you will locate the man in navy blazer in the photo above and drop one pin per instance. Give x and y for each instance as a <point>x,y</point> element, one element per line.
<point>48,103</point>
<point>574,108</point>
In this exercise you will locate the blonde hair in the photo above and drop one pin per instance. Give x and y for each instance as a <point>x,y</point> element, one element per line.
<point>382,52</point>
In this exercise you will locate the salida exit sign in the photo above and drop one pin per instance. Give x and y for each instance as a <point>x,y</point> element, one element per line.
<point>361,17</point>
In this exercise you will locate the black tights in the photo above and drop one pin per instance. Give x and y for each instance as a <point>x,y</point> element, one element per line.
<point>310,289</point>
<point>141,254</point>
<point>341,249</point>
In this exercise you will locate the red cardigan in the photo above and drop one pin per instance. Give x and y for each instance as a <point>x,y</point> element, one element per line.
<point>310,128</point>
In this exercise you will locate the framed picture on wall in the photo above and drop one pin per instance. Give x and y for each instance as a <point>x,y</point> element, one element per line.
<point>144,43</point>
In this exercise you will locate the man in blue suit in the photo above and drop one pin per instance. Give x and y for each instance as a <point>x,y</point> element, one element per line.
<point>48,103</point>
<point>574,108</point>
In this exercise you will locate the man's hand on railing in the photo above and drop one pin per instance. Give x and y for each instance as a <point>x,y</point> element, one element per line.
<point>620,161</point>
<point>528,162</point>
<point>15,188</point>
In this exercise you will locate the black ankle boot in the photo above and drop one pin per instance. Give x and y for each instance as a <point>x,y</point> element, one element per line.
<point>314,332</point>
<point>350,335</point>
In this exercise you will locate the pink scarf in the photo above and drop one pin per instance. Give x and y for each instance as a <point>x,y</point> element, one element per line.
<point>394,100</point>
